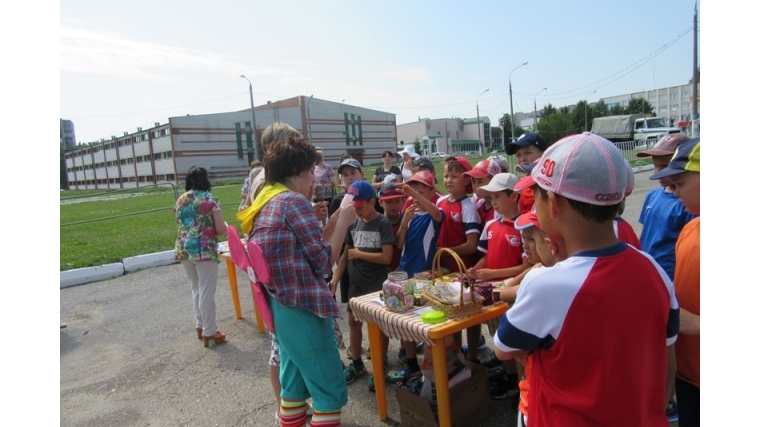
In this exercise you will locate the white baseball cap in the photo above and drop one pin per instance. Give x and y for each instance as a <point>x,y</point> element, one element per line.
<point>586,168</point>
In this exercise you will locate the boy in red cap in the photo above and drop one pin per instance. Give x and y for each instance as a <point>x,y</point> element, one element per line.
<point>481,175</point>
<point>607,307</point>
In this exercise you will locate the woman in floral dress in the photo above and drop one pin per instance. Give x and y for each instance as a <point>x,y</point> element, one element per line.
<point>201,222</point>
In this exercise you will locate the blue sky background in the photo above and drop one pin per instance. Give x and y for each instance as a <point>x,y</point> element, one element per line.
<point>130,64</point>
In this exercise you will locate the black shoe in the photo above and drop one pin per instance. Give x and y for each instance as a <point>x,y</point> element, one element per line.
<point>496,376</point>
<point>503,389</point>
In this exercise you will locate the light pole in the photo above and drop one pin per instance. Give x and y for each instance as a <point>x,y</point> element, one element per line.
<point>511,111</point>
<point>477,111</point>
<point>585,115</point>
<point>535,111</point>
<point>308,120</point>
<point>253,117</point>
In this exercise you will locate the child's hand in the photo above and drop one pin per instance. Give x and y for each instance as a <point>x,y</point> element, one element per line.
<point>333,286</point>
<point>354,253</point>
<point>484,274</point>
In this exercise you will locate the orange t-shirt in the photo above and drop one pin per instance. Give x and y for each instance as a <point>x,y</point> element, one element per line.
<point>686,282</point>
<point>525,385</point>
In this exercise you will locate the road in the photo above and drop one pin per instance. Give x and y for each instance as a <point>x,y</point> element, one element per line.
<point>130,357</point>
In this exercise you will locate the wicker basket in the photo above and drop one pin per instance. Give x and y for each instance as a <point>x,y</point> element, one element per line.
<point>453,311</point>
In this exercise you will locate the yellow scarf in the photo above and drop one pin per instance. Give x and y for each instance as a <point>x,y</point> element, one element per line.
<point>247,216</point>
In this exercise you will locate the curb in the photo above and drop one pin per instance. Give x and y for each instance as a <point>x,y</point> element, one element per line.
<point>84,275</point>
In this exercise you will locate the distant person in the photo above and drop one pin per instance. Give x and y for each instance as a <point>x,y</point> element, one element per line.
<point>324,175</point>
<point>528,148</point>
<point>256,168</point>
<point>605,292</point>
<point>386,173</point>
<point>201,222</point>
<point>298,254</point>
<point>408,155</point>
<point>683,172</point>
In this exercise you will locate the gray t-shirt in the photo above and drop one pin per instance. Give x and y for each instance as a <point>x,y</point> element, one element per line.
<point>369,237</point>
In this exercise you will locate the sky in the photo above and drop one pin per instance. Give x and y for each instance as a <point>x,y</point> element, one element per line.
<point>130,64</point>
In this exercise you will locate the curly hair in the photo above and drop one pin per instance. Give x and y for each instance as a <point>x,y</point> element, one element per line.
<point>287,158</point>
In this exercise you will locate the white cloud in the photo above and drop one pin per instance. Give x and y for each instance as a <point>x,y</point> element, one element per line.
<point>92,52</point>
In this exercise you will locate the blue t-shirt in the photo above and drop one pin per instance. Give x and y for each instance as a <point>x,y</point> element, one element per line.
<point>663,216</point>
<point>420,244</point>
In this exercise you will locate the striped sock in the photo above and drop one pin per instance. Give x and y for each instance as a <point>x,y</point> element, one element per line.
<point>292,413</point>
<point>326,419</point>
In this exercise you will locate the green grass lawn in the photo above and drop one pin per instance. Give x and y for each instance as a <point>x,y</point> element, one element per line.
<point>149,225</point>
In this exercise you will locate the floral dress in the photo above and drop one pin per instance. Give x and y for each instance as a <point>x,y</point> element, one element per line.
<point>323,175</point>
<point>196,238</point>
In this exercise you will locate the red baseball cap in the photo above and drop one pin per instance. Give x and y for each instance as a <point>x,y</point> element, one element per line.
<point>423,177</point>
<point>527,220</point>
<point>484,168</point>
<point>525,182</point>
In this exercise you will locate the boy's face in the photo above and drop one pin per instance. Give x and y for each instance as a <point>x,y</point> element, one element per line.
<point>367,210</point>
<point>529,245</point>
<point>392,207</point>
<point>687,189</point>
<point>543,211</point>
<point>528,155</point>
<point>349,175</point>
<point>660,163</point>
<point>421,188</point>
<point>455,182</point>
<point>503,203</point>
<point>543,248</point>
<point>479,182</point>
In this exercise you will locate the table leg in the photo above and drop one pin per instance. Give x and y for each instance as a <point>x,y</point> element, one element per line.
<point>441,381</point>
<point>232,273</point>
<point>376,350</point>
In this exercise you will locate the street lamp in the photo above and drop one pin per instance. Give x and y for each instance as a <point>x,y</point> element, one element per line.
<point>477,110</point>
<point>253,117</point>
<point>511,111</point>
<point>585,115</point>
<point>308,120</point>
<point>535,112</point>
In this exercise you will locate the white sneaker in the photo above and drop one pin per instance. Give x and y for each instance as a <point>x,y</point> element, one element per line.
<point>309,410</point>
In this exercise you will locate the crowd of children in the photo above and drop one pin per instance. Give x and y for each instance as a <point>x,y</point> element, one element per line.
<point>590,304</point>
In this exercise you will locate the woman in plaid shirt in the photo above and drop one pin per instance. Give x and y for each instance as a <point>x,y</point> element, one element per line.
<point>298,253</point>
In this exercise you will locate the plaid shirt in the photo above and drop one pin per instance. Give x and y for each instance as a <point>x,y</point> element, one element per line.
<point>296,253</point>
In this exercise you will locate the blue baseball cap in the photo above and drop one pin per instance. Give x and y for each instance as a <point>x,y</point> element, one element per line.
<point>525,140</point>
<point>362,191</point>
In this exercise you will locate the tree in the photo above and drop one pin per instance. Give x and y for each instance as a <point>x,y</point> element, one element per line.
<point>506,122</point>
<point>617,110</point>
<point>548,109</point>
<point>599,109</point>
<point>639,105</point>
<point>556,126</point>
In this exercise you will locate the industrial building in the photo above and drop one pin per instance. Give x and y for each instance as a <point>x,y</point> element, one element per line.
<point>223,143</point>
<point>455,135</point>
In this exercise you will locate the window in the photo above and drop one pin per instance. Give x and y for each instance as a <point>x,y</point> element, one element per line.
<point>130,161</point>
<point>168,155</point>
<point>139,159</point>
<point>123,161</point>
<point>663,108</point>
<point>157,156</point>
<point>663,97</point>
<point>673,95</point>
<point>685,106</point>
<point>169,176</point>
<point>674,107</point>
<point>685,93</point>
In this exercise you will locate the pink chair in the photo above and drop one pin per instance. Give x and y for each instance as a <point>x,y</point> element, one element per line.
<point>252,262</point>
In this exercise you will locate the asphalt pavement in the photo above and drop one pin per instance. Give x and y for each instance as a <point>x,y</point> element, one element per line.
<point>130,356</point>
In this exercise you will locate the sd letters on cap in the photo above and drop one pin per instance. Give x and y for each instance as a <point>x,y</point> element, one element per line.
<point>586,168</point>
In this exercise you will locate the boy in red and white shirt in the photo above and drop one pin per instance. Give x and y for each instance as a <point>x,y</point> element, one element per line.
<point>481,175</point>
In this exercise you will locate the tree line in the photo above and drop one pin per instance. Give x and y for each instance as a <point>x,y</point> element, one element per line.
<point>557,123</point>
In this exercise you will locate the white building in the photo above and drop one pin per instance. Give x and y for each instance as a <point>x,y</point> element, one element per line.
<point>223,144</point>
<point>451,136</point>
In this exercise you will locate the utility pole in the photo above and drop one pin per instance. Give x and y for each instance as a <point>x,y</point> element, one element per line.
<point>694,86</point>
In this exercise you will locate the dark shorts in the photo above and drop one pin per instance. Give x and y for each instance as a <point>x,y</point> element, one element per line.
<point>363,289</point>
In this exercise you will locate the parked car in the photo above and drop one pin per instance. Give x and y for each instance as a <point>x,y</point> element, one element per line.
<point>439,155</point>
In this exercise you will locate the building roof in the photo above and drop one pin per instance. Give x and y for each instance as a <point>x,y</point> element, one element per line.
<point>474,120</point>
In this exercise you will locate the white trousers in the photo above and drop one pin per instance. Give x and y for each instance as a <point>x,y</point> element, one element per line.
<point>203,275</point>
